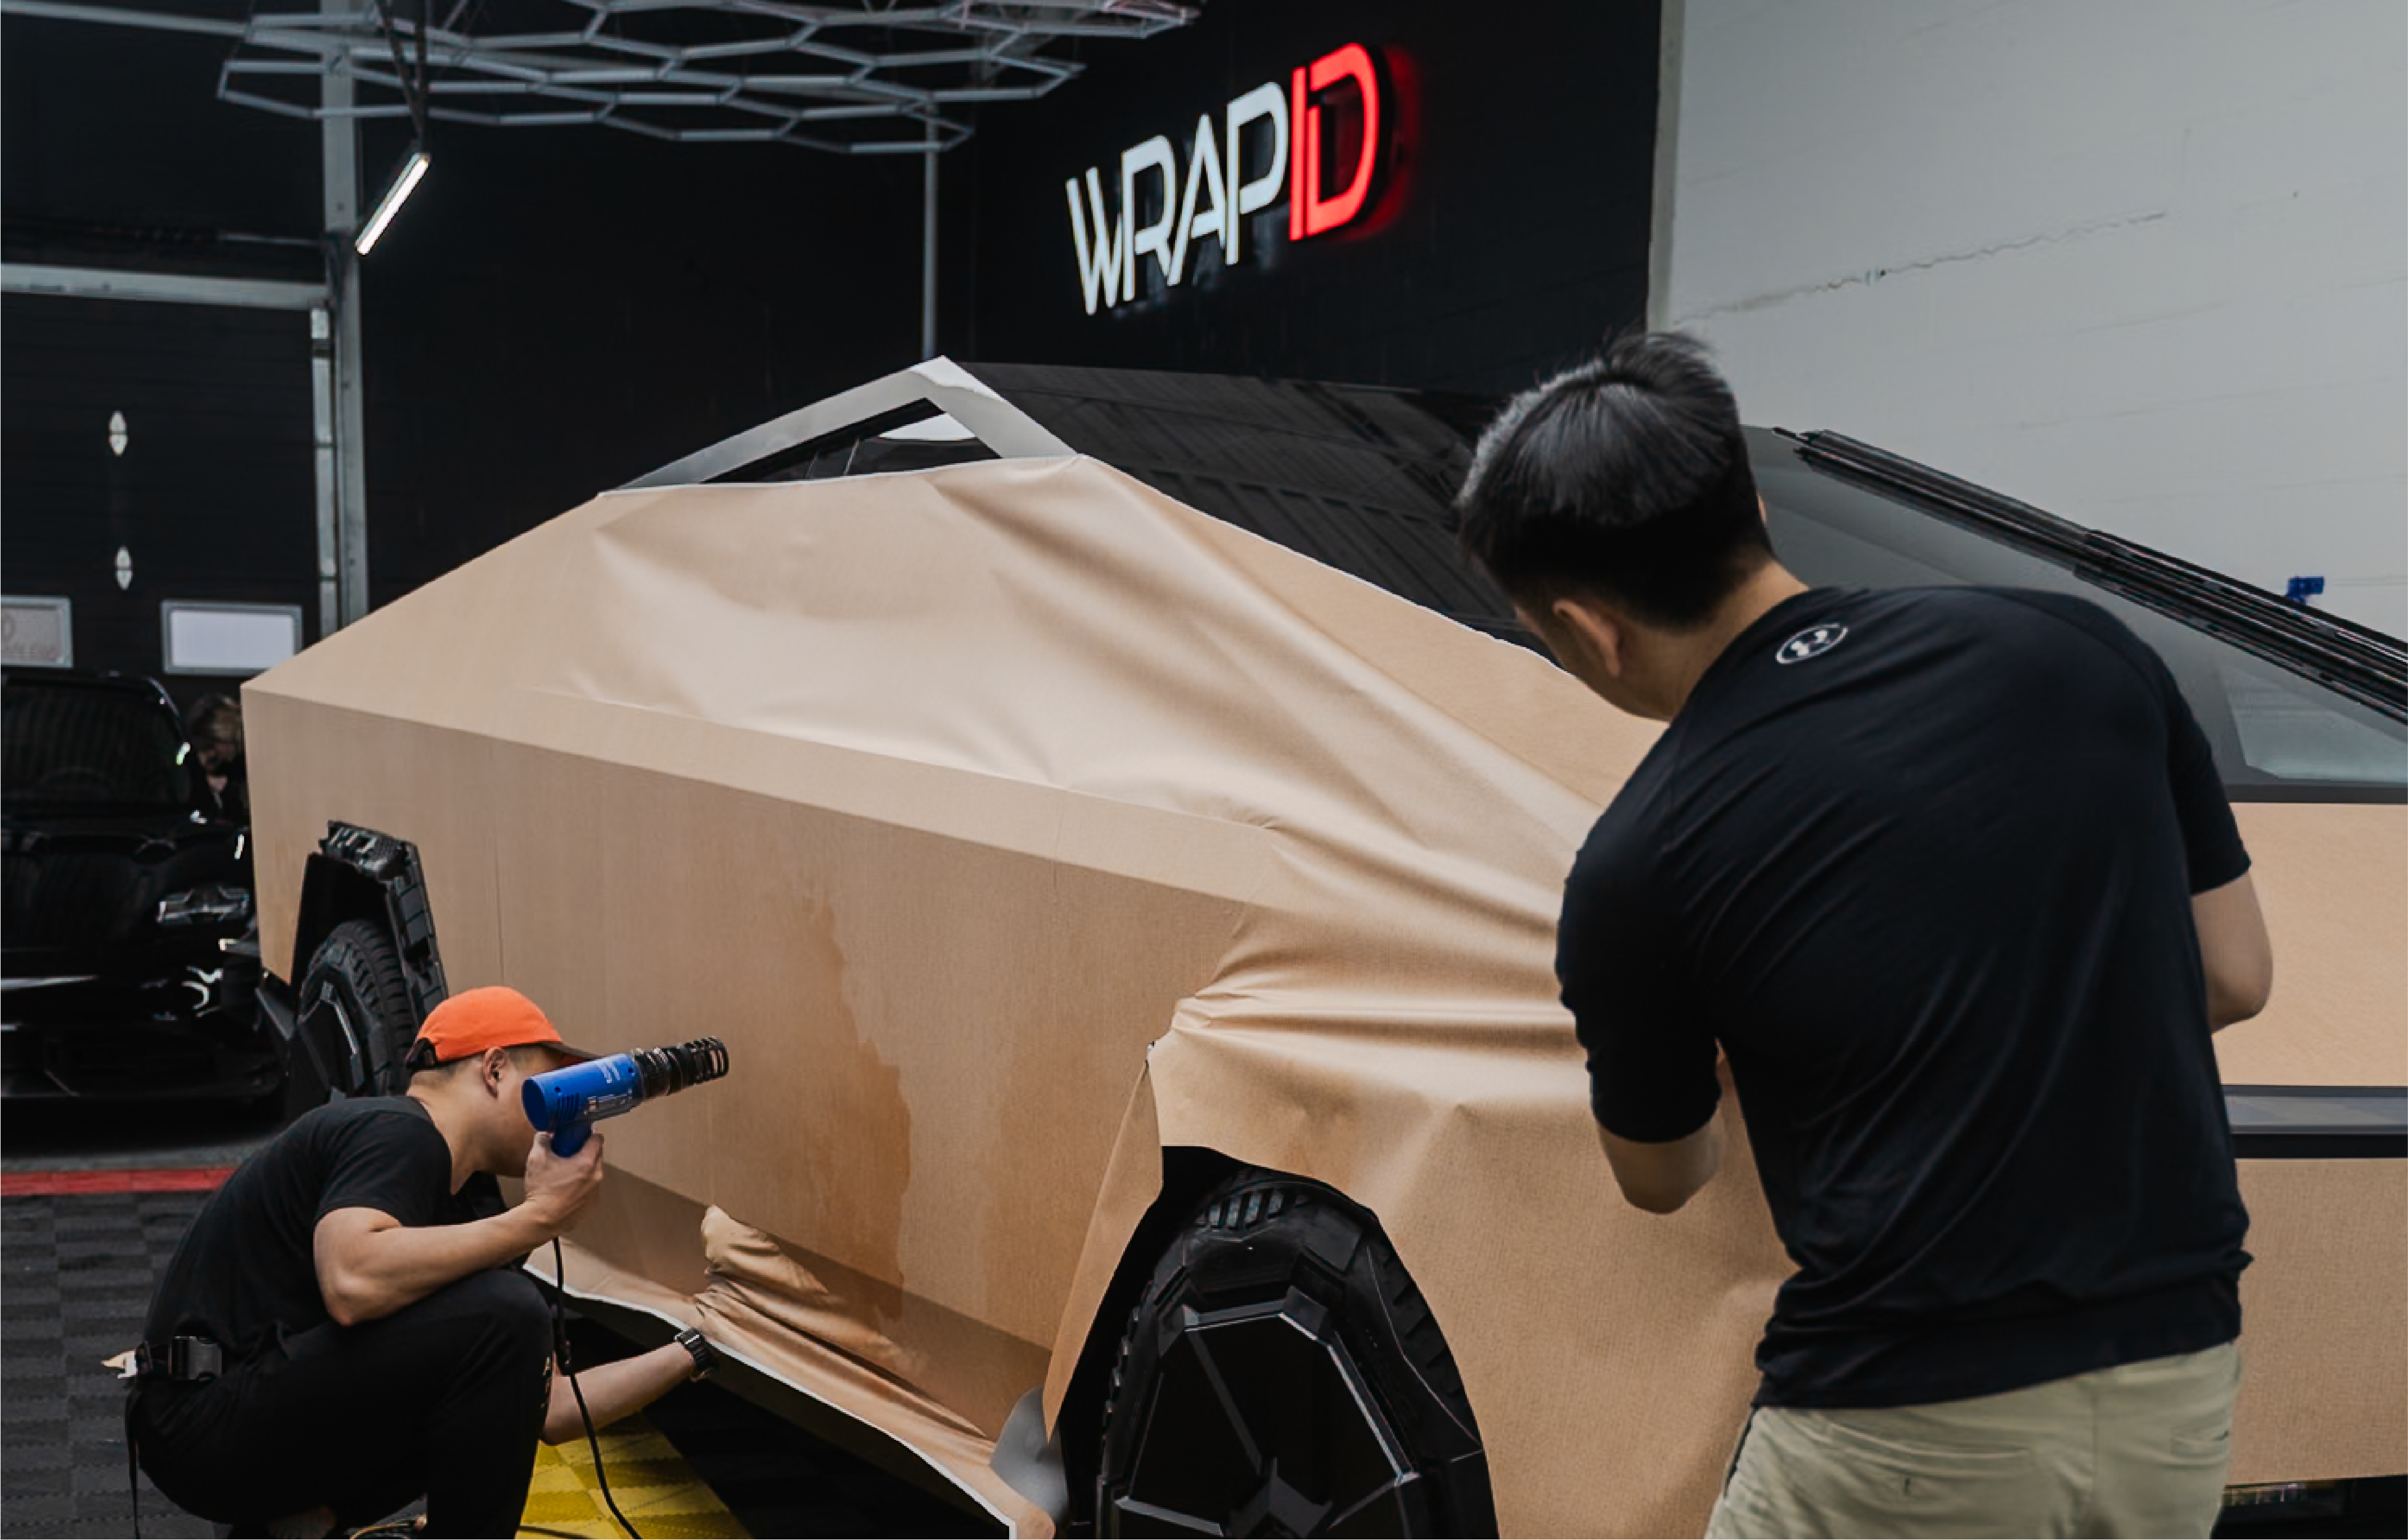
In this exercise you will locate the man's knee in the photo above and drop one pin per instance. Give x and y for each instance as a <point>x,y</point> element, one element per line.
<point>510,1305</point>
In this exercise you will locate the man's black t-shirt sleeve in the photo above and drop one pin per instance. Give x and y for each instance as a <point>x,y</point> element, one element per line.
<point>394,1162</point>
<point>1651,1056</point>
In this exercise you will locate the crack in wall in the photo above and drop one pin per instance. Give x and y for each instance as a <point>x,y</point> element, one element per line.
<point>1874,275</point>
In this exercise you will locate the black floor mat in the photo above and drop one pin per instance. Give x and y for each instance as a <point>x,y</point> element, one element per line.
<point>80,1273</point>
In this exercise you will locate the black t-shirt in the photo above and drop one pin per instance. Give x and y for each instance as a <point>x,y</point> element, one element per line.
<point>1921,864</point>
<point>248,1267</point>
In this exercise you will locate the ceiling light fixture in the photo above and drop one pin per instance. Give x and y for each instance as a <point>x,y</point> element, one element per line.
<point>412,170</point>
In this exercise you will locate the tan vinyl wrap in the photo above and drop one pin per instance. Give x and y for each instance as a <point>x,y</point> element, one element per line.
<point>2333,882</point>
<point>1012,820</point>
<point>2324,1311</point>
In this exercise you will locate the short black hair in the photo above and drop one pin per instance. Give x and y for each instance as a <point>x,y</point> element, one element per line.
<point>1624,476</point>
<point>215,721</point>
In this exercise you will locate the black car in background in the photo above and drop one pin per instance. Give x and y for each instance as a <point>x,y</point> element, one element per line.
<point>125,966</point>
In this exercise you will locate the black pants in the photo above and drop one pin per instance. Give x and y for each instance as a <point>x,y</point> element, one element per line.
<point>444,1398</point>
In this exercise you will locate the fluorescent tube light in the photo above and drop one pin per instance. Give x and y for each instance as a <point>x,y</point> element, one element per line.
<point>394,196</point>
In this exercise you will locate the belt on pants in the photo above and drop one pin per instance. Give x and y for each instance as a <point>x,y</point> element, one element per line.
<point>178,1358</point>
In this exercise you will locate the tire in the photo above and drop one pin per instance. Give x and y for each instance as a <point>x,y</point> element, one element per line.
<point>352,1001</point>
<point>1281,1375</point>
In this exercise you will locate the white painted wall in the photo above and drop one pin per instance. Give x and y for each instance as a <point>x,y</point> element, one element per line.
<point>2142,262</point>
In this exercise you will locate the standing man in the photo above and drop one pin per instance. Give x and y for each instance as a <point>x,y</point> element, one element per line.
<point>1947,876</point>
<point>345,1325</point>
<point>214,728</point>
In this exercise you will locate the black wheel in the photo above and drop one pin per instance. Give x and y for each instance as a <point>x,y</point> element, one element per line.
<point>355,1008</point>
<point>1282,1375</point>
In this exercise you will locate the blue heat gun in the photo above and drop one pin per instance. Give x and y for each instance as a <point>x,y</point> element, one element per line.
<point>567,1103</point>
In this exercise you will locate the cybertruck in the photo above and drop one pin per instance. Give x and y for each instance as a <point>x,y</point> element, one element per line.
<point>1120,844</point>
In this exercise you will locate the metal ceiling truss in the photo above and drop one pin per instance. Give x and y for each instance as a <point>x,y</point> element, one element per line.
<point>841,78</point>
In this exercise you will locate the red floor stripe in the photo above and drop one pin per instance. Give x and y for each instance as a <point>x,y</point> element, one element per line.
<point>58,1183</point>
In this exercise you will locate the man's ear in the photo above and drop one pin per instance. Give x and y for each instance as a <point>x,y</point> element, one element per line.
<point>491,1068</point>
<point>1596,630</point>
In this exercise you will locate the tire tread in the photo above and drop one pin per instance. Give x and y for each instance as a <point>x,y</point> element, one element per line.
<point>362,955</point>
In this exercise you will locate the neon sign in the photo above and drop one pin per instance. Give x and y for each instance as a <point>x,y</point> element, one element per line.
<point>1215,198</point>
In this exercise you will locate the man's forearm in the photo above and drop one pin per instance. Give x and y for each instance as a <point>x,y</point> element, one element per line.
<point>2235,951</point>
<point>614,1389</point>
<point>1660,1177</point>
<point>388,1268</point>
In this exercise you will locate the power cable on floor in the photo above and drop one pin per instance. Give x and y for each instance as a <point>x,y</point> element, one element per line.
<point>560,1346</point>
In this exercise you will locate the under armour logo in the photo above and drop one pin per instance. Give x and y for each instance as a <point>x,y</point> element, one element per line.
<point>1814,641</point>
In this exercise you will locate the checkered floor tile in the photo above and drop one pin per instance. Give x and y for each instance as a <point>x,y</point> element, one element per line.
<point>651,1481</point>
<point>80,1273</point>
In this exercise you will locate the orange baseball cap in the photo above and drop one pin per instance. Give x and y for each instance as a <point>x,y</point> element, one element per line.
<point>474,1020</point>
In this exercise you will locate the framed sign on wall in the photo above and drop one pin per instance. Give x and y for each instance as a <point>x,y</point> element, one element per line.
<point>37,632</point>
<point>202,638</point>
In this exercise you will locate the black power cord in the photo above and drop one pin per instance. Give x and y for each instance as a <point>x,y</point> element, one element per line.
<point>560,1348</point>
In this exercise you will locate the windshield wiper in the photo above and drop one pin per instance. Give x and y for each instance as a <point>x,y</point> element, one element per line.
<point>2352,661</point>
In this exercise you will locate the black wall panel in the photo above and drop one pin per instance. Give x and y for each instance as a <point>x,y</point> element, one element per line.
<point>115,153</point>
<point>215,497</point>
<point>558,311</point>
<point>1513,230</point>
<point>115,150</point>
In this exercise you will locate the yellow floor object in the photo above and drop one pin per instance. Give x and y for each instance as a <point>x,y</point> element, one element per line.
<point>655,1488</point>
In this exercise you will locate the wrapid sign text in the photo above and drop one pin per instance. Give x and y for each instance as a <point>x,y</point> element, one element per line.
<point>1215,198</point>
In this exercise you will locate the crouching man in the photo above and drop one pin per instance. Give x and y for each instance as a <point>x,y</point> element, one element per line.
<point>345,1327</point>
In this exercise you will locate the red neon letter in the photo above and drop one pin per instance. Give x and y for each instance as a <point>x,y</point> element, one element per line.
<point>1319,213</point>
<point>1303,155</point>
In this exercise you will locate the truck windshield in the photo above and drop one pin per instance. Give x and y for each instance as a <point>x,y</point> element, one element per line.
<point>72,743</point>
<point>2277,735</point>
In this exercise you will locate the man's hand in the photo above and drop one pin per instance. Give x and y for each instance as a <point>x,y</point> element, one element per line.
<point>1659,1178</point>
<point>2234,950</point>
<point>559,1188</point>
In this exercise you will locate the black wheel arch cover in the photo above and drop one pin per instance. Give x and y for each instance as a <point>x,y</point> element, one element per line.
<point>1298,1286</point>
<point>362,874</point>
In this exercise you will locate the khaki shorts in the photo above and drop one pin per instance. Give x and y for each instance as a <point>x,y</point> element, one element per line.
<point>2139,1450</point>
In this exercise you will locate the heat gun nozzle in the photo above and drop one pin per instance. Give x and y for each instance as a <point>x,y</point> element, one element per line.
<point>678,1065</point>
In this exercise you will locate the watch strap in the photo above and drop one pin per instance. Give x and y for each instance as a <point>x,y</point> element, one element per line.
<point>706,1356</point>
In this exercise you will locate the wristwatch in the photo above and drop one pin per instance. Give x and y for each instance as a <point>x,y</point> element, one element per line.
<point>706,1356</point>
